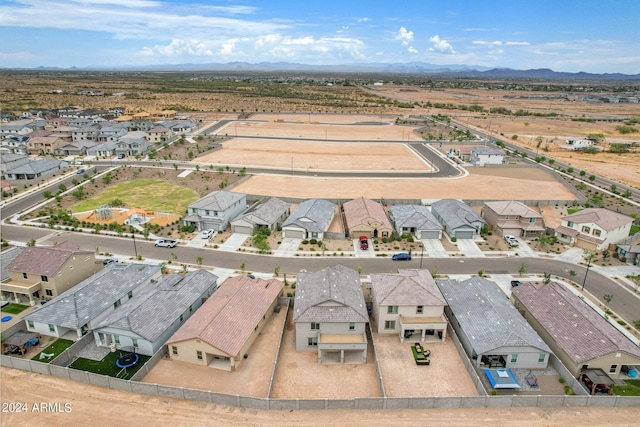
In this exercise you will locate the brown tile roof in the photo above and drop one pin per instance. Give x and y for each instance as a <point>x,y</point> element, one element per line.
<point>606,219</point>
<point>362,211</point>
<point>567,231</point>
<point>228,318</point>
<point>511,207</point>
<point>45,260</point>
<point>577,328</point>
<point>408,287</point>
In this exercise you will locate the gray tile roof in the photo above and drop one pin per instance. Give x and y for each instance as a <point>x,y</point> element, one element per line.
<point>313,215</point>
<point>488,151</point>
<point>39,166</point>
<point>84,302</point>
<point>487,317</point>
<point>45,260</point>
<point>267,212</point>
<point>414,216</point>
<point>332,295</point>
<point>150,314</point>
<point>408,287</point>
<point>577,328</point>
<point>217,200</point>
<point>606,219</point>
<point>6,257</point>
<point>456,213</point>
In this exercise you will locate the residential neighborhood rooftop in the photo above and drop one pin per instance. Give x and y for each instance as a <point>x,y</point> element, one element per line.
<point>45,260</point>
<point>606,219</point>
<point>407,287</point>
<point>313,215</point>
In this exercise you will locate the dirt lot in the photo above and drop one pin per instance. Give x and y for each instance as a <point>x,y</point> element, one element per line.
<point>445,376</point>
<point>251,378</point>
<point>93,405</point>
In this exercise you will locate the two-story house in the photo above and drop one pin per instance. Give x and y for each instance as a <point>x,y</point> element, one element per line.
<point>45,144</point>
<point>513,218</point>
<point>78,310</point>
<point>215,210</point>
<point>44,272</point>
<point>159,134</point>
<point>481,156</point>
<point>87,131</point>
<point>594,228</point>
<point>133,144</point>
<point>408,304</point>
<point>366,217</point>
<point>330,315</point>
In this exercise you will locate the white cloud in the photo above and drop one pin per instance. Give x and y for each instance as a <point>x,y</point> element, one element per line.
<point>517,43</point>
<point>441,45</point>
<point>412,49</point>
<point>365,19</point>
<point>178,47</point>
<point>406,37</point>
<point>485,43</point>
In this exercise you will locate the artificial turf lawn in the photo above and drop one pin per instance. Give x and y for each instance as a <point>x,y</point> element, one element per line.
<point>107,366</point>
<point>14,308</point>
<point>56,348</point>
<point>632,388</point>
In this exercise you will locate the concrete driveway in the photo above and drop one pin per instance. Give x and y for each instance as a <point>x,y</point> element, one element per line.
<point>433,248</point>
<point>288,247</point>
<point>469,248</point>
<point>234,242</point>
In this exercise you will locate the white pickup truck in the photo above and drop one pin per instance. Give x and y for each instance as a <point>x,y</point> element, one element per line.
<point>166,243</point>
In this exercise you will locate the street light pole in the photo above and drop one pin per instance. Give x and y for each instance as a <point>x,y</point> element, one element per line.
<point>135,248</point>
<point>421,253</point>
<point>586,272</point>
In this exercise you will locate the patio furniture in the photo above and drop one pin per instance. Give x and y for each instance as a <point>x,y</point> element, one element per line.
<point>418,347</point>
<point>531,380</point>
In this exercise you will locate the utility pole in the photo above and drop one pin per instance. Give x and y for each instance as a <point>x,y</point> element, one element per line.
<point>589,258</point>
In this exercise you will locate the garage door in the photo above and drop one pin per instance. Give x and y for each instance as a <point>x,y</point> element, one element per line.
<point>294,234</point>
<point>243,229</point>
<point>429,234</point>
<point>464,235</point>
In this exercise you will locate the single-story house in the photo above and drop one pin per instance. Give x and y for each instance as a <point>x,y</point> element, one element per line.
<point>78,148</point>
<point>365,217</point>
<point>222,331</point>
<point>594,228</point>
<point>310,220</point>
<point>457,218</point>
<point>146,324</point>
<point>581,337</point>
<point>408,303</point>
<point>11,161</point>
<point>35,169</point>
<point>78,310</point>
<point>330,315</point>
<point>513,218</point>
<point>416,220</point>
<point>269,213</point>
<point>491,330</point>
<point>630,253</point>
<point>215,210</point>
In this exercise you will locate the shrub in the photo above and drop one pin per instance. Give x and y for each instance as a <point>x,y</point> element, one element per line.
<point>313,241</point>
<point>305,242</point>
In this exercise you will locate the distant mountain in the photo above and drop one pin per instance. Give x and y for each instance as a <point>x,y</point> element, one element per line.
<point>409,68</point>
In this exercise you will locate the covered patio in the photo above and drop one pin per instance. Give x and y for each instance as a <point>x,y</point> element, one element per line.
<point>429,329</point>
<point>342,348</point>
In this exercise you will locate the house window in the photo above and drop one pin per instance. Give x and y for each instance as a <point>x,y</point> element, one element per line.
<point>532,220</point>
<point>613,369</point>
<point>116,304</point>
<point>130,294</point>
<point>514,358</point>
<point>390,324</point>
<point>135,342</point>
<point>116,339</point>
<point>352,326</point>
<point>30,324</point>
<point>541,358</point>
<point>570,224</point>
<point>52,328</point>
<point>49,292</point>
<point>392,309</point>
<point>199,355</point>
<point>44,278</point>
<point>517,217</point>
<point>24,275</point>
<point>312,341</point>
<point>314,235</point>
<point>507,217</point>
<point>597,233</point>
<point>419,309</point>
<point>315,326</point>
<point>174,350</point>
<point>586,229</point>
<point>181,317</point>
<point>190,308</point>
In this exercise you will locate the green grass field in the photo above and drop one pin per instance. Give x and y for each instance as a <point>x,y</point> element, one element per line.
<point>631,389</point>
<point>14,308</point>
<point>56,348</point>
<point>147,194</point>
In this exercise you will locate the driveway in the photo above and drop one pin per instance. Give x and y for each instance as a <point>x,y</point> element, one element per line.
<point>288,247</point>
<point>234,242</point>
<point>434,249</point>
<point>360,253</point>
<point>469,248</point>
<point>524,249</point>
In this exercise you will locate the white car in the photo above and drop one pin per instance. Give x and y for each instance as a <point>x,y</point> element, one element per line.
<point>166,243</point>
<point>511,240</point>
<point>206,234</point>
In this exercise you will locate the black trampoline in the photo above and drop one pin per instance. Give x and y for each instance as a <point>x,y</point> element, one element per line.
<point>127,360</point>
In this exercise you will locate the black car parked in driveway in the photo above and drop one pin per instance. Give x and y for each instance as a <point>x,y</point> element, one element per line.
<point>515,283</point>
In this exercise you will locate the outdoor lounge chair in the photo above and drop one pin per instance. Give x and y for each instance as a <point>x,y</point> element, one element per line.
<point>531,380</point>
<point>418,347</point>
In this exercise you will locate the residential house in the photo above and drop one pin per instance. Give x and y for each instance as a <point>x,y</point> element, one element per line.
<point>80,122</point>
<point>513,218</point>
<point>112,131</point>
<point>581,337</point>
<point>106,149</point>
<point>408,304</point>
<point>182,127</point>
<point>269,213</point>
<point>457,218</point>
<point>330,315</point>
<point>481,156</point>
<point>215,210</point>
<point>78,148</point>
<point>11,161</point>
<point>222,331</point>
<point>45,144</point>
<point>18,127</point>
<point>14,144</point>
<point>366,217</point>
<point>133,144</point>
<point>594,228</point>
<point>44,272</point>
<point>147,322</point>
<point>87,131</point>
<point>416,220</point>
<point>159,134</point>
<point>144,125</point>
<point>35,169</point>
<point>491,330</point>
<point>310,220</point>
<point>6,256</point>
<point>629,253</point>
<point>78,310</point>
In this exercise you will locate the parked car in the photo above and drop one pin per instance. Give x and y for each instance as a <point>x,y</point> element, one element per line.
<point>206,234</point>
<point>121,156</point>
<point>515,283</point>
<point>402,256</point>
<point>80,171</point>
<point>511,240</point>
<point>166,243</point>
<point>364,243</point>
<point>109,261</point>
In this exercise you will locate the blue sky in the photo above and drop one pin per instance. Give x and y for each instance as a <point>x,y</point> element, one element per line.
<point>564,35</point>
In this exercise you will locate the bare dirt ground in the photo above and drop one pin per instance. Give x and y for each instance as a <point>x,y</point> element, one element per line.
<point>314,155</point>
<point>93,405</point>
<point>482,183</point>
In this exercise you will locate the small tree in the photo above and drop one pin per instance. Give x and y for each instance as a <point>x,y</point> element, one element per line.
<point>608,298</point>
<point>276,270</point>
<point>523,269</point>
<point>31,242</point>
<point>547,278</point>
<point>199,261</point>
<point>242,267</point>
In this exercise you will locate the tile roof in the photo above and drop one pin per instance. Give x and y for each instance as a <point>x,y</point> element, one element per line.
<point>152,313</point>
<point>6,257</point>
<point>407,287</point>
<point>512,207</point>
<point>487,151</point>
<point>604,218</point>
<point>577,328</point>
<point>267,211</point>
<point>217,200</point>
<point>229,317</point>
<point>45,260</point>
<point>338,286</point>
<point>630,249</point>
<point>39,166</point>
<point>313,215</point>
<point>455,213</point>
<point>417,216</point>
<point>360,211</point>
<point>81,304</point>
<point>487,317</point>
